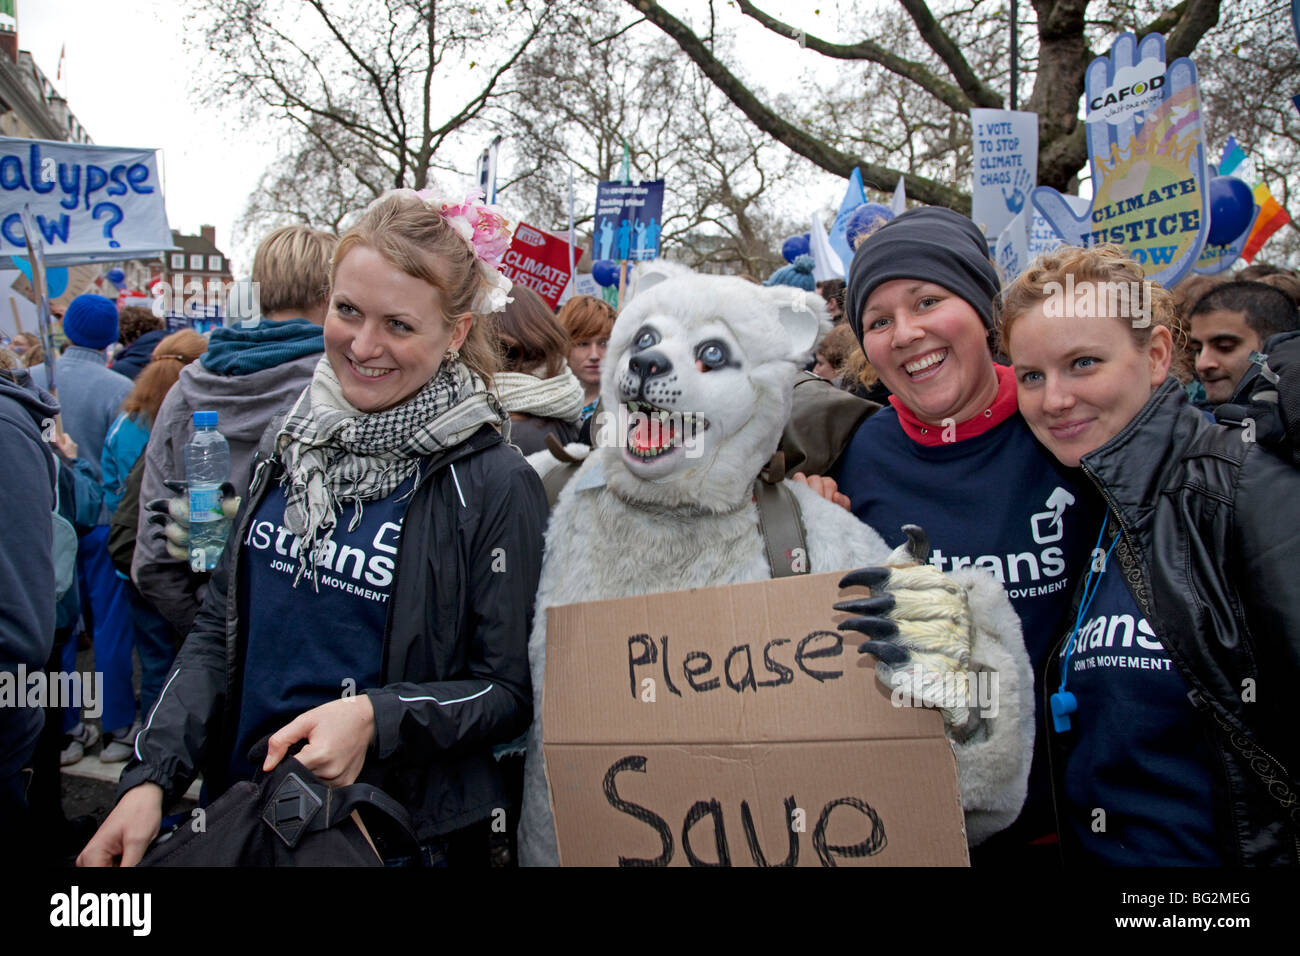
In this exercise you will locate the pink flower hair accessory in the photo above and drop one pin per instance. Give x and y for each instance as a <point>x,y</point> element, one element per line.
<point>487,230</point>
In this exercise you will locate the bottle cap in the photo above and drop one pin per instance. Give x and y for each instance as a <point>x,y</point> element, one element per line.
<point>205,419</point>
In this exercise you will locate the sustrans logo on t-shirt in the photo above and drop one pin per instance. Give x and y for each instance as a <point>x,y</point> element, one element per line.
<point>348,563</point>
<point>1117,640</point>
<point>1026,567</point>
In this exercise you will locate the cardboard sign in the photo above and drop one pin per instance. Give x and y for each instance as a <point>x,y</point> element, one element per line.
<point>538,260</point>
<point>737,726</point>
<point>1004,166</point>
<point>629,219</point>
<point>88,202</point>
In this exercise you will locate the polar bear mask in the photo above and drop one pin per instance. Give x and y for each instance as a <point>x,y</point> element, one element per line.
<point>699,373</point>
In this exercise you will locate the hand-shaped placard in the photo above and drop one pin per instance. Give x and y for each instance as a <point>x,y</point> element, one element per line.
<point>1146,144</point>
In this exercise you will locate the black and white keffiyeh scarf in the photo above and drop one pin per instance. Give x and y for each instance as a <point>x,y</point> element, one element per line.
<point>332,452</point>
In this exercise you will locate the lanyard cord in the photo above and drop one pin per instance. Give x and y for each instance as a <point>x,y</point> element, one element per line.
<point>1089,592</point>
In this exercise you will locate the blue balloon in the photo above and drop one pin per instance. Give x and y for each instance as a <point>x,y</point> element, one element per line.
<point>605,272</point>
<point>865,220</point>
<point>116,276</point>
<point>56,281</point>
<point>796,246</point>
<point>1231,206</point>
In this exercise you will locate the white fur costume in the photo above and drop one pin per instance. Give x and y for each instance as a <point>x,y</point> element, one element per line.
<point>627,526</point>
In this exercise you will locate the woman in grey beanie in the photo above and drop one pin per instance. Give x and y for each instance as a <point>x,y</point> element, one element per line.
<point>951,452</point>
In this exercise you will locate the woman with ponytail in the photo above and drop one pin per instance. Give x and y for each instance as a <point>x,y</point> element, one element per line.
<point>129,433</point>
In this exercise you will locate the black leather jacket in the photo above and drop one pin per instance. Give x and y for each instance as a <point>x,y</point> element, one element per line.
<point>1210,552</point>
<point>455,659</point>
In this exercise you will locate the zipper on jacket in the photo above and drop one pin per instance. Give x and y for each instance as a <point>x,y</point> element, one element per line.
<point>442,462</point>
<point>1053,654</point>
<point>384,658</point>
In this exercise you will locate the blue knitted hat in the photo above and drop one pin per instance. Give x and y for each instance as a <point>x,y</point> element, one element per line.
<point>91,321</point>
<point>798,274</point>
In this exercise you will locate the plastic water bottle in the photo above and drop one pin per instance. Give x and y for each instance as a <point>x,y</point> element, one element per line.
<point>207,466</point>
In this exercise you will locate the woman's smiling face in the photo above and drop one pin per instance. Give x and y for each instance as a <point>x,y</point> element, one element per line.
<point>385,335</point>
<point>930,348</point>
<point>1080,381</point>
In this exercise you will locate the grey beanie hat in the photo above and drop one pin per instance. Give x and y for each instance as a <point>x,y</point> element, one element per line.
<point>929,243</point>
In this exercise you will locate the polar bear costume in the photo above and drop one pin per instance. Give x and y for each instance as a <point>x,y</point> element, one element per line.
<point>701,369</point>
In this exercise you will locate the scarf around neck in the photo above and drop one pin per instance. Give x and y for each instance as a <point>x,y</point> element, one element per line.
<point>559,397</point>
<point>1003,406</point>
<point>332,452</point>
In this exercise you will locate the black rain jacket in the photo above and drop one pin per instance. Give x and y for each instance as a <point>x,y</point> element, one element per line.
<point>455,661</point>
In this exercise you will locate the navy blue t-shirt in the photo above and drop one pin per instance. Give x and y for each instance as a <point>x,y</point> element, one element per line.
<point>1139,789</point>
<point>305,648</point>
<point>996,501</point>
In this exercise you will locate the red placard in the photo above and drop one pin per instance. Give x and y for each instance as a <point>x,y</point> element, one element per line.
<point>538,260</point>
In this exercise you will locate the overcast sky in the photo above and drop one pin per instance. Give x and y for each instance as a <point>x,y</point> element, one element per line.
<point>129,82</point>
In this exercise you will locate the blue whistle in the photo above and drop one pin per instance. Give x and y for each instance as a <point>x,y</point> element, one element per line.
<point>1063,704</point>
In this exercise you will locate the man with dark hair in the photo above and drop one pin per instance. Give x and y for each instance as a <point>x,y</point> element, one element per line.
<point>1227,324</point>
<point>139,330</point>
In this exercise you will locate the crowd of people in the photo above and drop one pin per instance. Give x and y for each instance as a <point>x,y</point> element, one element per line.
<point>378,411</point>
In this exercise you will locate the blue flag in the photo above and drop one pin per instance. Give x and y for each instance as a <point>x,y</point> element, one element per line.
<point>854,197</point>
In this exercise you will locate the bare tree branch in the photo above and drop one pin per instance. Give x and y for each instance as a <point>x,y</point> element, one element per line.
<point>1199,17</point>
<point>942,45</point>
<point>870,51</point>
<point>821,153</point>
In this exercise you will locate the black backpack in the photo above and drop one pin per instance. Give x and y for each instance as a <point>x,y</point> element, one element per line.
<point>1267,398</point>
<point>287,817</point>
<point>122,526</point>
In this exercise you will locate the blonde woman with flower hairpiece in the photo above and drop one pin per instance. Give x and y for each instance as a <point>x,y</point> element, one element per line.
<point>390,467</point>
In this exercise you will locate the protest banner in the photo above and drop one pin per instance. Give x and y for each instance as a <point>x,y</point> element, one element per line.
<point>629,219</point>
<point>538,260</point>
<point>582,284</point>
<point>1027,237</point>
<point>1004,166</point>
<point>1146,145</point>
<point>89,203</point>
<point>736,725</point>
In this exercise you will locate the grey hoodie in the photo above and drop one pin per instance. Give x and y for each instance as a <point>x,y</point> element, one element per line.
<point>245,405</point>
<point>26,555</point>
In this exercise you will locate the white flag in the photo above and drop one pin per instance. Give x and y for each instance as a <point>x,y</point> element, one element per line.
<point>899,204</point>
<point>826,264</point>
